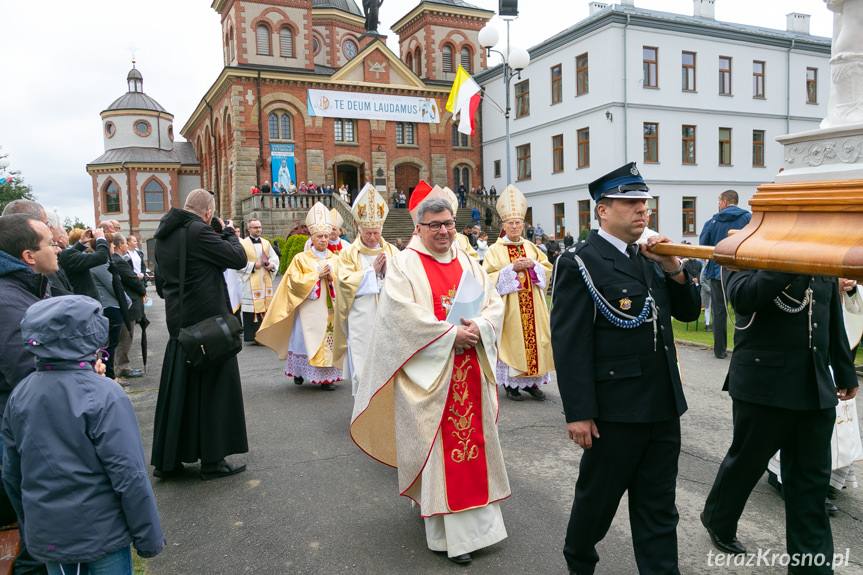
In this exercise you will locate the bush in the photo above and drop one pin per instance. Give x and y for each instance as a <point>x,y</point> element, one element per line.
<point>292,246</point>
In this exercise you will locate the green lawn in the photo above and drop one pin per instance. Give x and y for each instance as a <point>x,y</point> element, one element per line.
<point>139,564</point>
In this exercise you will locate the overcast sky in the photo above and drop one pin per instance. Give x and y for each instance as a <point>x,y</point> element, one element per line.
<point>65,62</point>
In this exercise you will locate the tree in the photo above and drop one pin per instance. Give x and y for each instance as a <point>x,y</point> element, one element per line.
<point>70,225</point>
<point>12,187</point>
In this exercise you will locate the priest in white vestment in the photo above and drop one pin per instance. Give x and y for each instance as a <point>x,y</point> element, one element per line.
<point>257,278</point>
<point>427,400</point>
<point>361,274</point>
<point>423,191</point>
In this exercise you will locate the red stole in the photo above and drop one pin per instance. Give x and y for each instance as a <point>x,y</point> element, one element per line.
<point>336,247</point>
<point>527,312</point>
<point>461,429</point>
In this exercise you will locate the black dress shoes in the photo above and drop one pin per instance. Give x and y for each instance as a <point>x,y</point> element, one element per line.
<point>220,469</point>
<point>513,394</point>
<point>535,393</point>
<point>328,386</point>
<point>832,510</point>
<point>298,381</point>
<point>461,559</point>
<point>162,474</point>
<point>732,545</point>
<point>132,373</point>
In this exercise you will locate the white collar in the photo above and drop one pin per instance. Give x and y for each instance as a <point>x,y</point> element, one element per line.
<point>614,240</point>
<point>322,255</point>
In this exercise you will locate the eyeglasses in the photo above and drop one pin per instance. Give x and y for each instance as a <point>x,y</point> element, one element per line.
<point>435,226</point>
<point>40,246</point>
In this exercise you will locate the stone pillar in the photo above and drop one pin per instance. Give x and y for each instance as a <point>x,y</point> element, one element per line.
<point>316,168</point>
<point>439,171</point>
<point>379,162</point>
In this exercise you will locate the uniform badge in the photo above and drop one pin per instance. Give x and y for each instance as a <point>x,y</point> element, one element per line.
<point>625,304</point>
<point>633,171</point>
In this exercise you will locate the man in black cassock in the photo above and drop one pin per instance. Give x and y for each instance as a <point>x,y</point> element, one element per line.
<point>199,414</point>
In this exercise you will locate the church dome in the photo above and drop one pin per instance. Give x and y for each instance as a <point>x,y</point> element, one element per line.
<point>136,101</point>
<point>348,6</point>
<point>135,98</point>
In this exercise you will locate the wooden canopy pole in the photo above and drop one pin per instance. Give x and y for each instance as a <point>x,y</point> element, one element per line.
<point>801,227</point>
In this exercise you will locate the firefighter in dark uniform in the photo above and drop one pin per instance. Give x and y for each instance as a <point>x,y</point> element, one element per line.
<point>790,332</point>
<point>618,375</point>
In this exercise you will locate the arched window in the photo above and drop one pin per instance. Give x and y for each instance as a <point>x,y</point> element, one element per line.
<point>418,58</point>
<point>446,53</point>
<point>459,139</point>
<point>154,197</point>
<point>286,127</point>
<point>263,35</point>
<point>286,42</point>
<point>111,198</point>
<point>466,60</point>
<point>461,175</point>
<point>227,48</point>
<point>274,126</point>
<point>231,47</point>
<point>279,125</point>
<point>343,130</point>
<point>405,133</point>
<point>410,61</point>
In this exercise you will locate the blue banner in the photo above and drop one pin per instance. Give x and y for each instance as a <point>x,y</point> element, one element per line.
<point>282,166</point>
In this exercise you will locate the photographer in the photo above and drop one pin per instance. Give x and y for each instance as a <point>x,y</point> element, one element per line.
<point>77,263</point>
<point>199,413</point>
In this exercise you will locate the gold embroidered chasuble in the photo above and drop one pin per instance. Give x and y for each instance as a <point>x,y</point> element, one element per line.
<point>525,342</point>
<point>403,392</point>
<point>350,275</point>
<point>316,315</point>
<point>463,244</point>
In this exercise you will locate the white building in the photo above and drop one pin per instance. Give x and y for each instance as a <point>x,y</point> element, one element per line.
<point>695,102</point>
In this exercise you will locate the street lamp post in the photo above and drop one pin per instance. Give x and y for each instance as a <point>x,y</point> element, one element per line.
<point>514,61</point>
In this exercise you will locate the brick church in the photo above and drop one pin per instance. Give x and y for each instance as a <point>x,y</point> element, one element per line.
<point>283,58</point>
<point>307,95</point>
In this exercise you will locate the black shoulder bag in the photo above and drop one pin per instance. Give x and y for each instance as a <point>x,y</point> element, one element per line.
<point>213,340</point>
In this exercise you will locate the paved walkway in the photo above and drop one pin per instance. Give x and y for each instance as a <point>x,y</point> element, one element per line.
<point>312,503</point>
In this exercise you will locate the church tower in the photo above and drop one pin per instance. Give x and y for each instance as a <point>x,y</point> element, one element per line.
<point>437,36</point>
<point>294,34</point>
<point>143,172</point>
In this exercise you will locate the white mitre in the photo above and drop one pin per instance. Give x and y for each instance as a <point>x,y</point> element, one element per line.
<point>370,209</point>
<point>447,194</point>
<point>338,220</point>
<point>319,219</point>
<point>511,204</point>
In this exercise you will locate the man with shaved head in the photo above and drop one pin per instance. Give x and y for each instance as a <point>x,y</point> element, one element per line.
<point>199,414</point>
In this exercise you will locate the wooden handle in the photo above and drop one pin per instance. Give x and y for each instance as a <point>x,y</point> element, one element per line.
<point>683,250</point>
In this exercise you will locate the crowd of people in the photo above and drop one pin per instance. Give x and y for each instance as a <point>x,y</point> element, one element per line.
<point>67,426</point>
<point>425,332</point>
